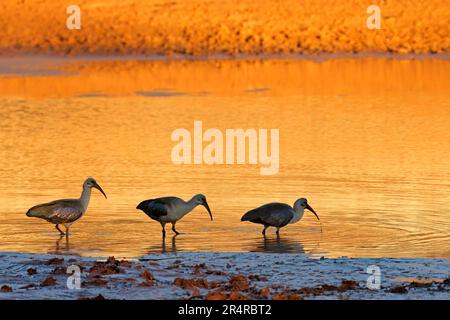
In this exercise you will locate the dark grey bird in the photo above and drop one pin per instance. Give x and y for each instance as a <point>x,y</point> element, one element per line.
<point>66,211</point>
<point>278,215</point>
<point>171,209</point>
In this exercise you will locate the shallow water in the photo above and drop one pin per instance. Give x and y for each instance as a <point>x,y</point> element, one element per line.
<point>366,140</point>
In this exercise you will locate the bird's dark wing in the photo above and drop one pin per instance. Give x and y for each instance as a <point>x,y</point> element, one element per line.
<point>59,211</point>
<point>272,214</point>
<point>156,208</point>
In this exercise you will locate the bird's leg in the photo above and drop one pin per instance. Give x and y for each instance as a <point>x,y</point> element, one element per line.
<point>57,243</point>
<point>278,232</point>
<point>163,230</point>
<point>264,230</point>
<point>174,244</point>
<point>173,229</point>
<point>67,232</point>
<point>60,232</point>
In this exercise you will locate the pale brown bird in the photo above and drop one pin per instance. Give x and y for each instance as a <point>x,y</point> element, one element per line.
<point>66,211</point>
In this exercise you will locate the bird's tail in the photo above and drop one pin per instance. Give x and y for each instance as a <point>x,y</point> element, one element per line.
<point>249,216</point>
<point>143,205</point>
<point>37,212</point>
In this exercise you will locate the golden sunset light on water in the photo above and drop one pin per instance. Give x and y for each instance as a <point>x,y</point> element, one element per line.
<point>224,150</point>
<point>368,154</point>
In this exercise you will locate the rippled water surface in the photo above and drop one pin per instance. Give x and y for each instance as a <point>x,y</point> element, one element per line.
<point>366,140</point>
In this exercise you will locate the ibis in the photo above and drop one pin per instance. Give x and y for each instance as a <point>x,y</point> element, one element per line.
<point>171,209</point>
<point>278,215</point>
<point>66,211</point>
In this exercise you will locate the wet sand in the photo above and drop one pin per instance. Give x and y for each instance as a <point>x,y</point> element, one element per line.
<point>201,27</point>
<point>219,276</point>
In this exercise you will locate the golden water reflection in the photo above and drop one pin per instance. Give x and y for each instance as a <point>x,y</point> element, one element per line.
<point>365,140</point>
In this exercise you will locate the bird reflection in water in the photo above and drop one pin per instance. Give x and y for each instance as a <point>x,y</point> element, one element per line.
<point>61,245</point>
<point>173,248</point>
<point>164,247</point>
<point>278,245</point>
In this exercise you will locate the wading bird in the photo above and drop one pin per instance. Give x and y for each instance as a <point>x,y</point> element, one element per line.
<point>171,209</point>
<point>277,214</point>
<point>66,211</point>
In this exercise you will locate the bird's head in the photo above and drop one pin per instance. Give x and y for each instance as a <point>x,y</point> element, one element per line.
<point>200,199</point>
<point>302,204</point>
<point>91,183</point>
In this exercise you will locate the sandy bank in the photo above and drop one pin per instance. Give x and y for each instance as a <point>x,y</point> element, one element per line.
<point>211,26</point>
<point>221,276</point>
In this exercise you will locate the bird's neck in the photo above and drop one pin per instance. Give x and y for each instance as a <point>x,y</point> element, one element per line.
<point>298,214</point>
<point>85,197</point>
<point>189,205</point>
<point>182,208</point>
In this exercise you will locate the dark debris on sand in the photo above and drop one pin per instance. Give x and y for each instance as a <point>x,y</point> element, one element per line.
<point>190,281</point>
<point>6,288</point>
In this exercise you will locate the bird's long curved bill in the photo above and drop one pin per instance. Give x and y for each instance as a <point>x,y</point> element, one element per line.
<point>312,210</point>
<point>96,186</point>
<point>207,208</point>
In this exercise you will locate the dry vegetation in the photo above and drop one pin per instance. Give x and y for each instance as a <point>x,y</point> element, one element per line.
<point>215,26</point>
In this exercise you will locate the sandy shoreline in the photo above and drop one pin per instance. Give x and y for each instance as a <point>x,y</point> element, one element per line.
<point>202,27</point>
<point>217,275</point>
